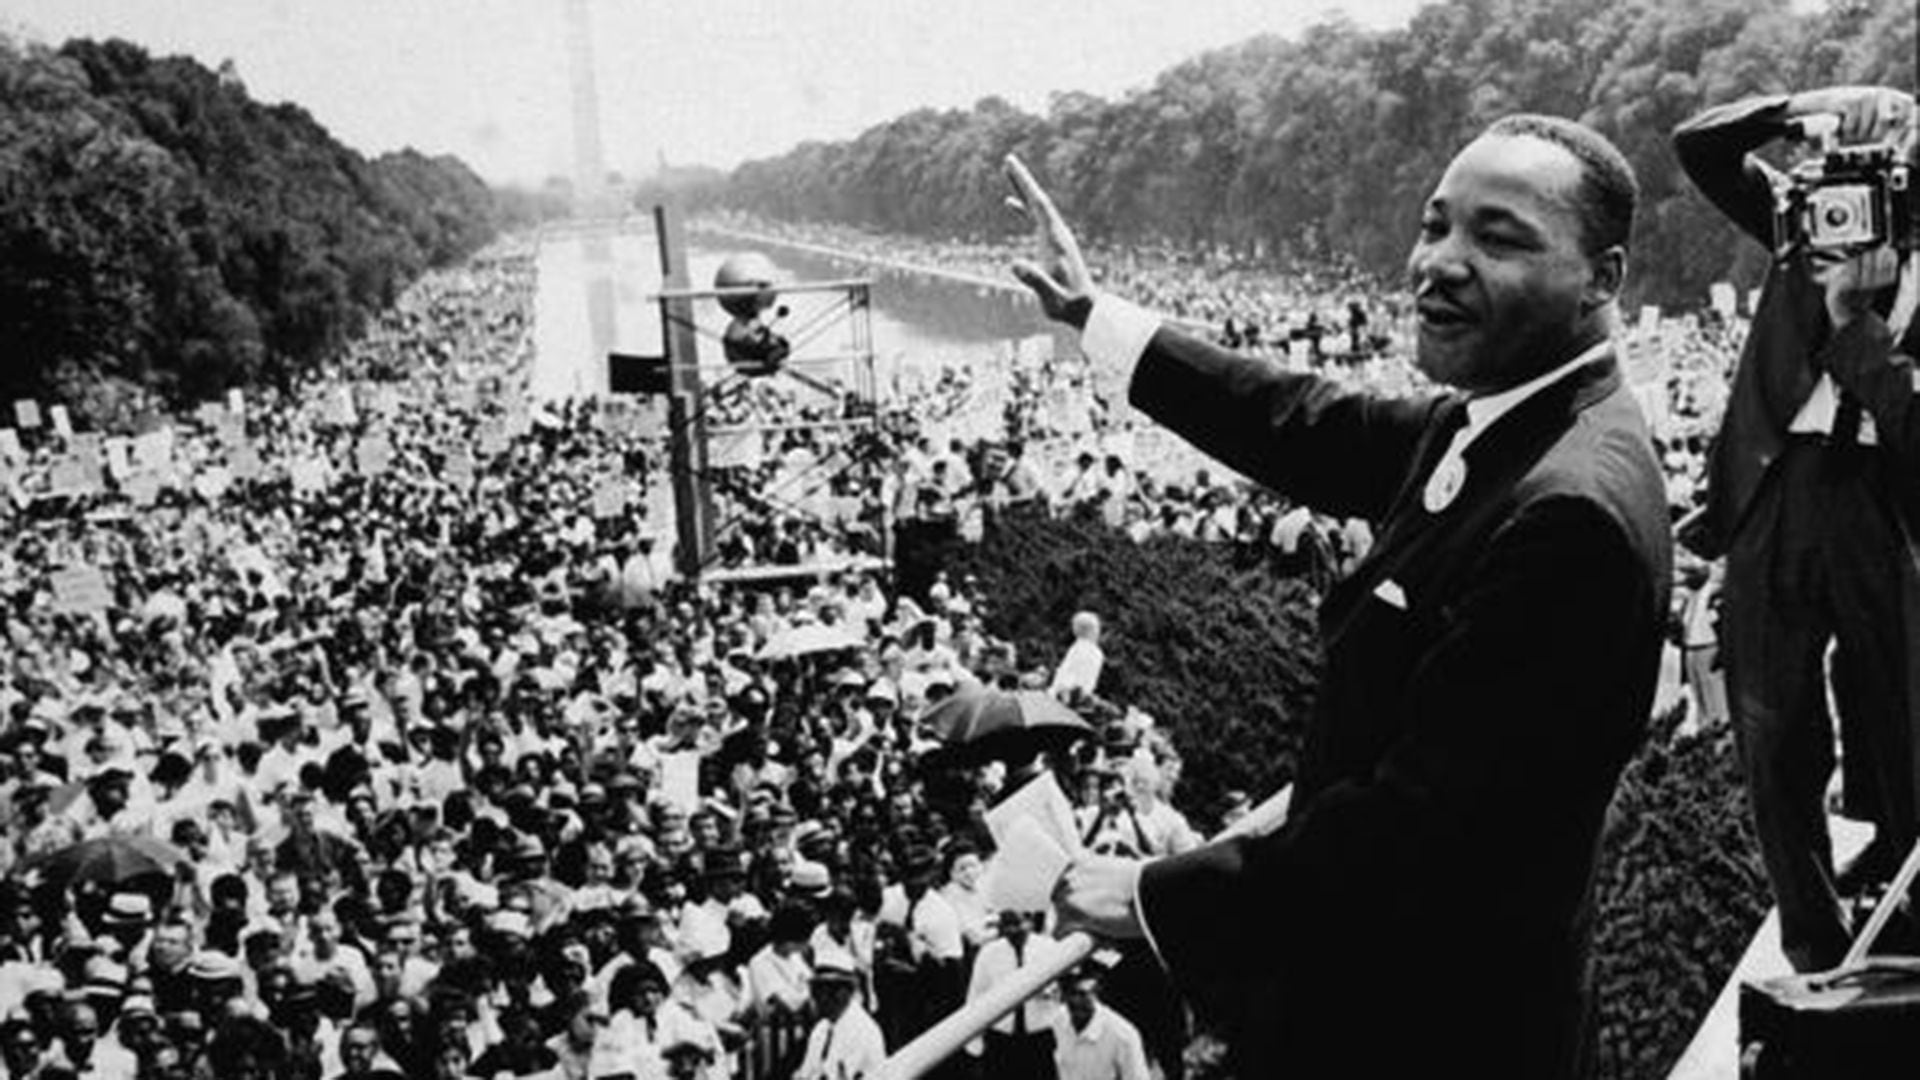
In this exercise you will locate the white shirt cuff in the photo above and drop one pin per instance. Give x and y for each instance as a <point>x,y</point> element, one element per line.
<point>1117,333</point>
<point>1140,912</point>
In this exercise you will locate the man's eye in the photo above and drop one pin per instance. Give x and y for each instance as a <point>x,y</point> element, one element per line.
<point>1502,241</point>
<point>1432,229</point>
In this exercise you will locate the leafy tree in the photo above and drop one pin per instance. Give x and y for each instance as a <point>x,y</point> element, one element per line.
<point>1324,146</point>
<point>160,228</point>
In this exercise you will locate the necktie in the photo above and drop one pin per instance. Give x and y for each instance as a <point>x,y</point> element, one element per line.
<point>1020,1010</point>
<point>1449,474</point>
<point>1897,307</point>
<point>1846,420</point>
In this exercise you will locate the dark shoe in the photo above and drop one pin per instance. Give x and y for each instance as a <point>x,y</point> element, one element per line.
<point>1872,868</point>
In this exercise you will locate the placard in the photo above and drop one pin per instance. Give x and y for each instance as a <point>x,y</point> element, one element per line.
<point>213,482</point>
<point>309,475</point>
<point>494,439</point>
<point>81,589</point>
<point>119,452</point>
<point>338,408</point>
<point>680,779</point>
<point>26,413</point>
<point>142,488</point>
<point>237,403</point>
<point>62,421</point>
<point>73,475</point>
<point>733,449</point>
<point>459,467</point>
<point>609,498</point>
<point>154,450</point>
<point>244,460</point>
<point>373,455</point>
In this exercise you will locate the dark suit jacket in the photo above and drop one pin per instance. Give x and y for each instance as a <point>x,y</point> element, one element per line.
<point>1790,342</point>
<point>1426,909</point>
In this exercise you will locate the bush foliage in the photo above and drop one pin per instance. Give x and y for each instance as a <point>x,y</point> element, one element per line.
<point>1224,653</point>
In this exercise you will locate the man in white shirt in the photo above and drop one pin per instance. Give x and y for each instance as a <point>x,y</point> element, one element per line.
<point>1020,1044</point>
<point>845,1043</point>
<point>778,975</point>
<point>1080,668</point>
<point>1091,1041</point>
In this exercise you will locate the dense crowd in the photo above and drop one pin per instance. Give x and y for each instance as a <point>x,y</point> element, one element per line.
<point>370,727</point>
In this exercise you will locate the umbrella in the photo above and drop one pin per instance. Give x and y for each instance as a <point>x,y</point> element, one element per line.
<point>978,725</point>
<point>111,862</point>
<point>808,639</point>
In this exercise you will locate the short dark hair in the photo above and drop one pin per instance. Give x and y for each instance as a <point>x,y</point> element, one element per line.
<point>1608,192</point>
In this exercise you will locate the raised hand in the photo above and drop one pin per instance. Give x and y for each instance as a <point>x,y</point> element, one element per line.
<point>1096,894</point>
<point>1866,114</point>
<point>1852,282</point>
<point>1057,273</point>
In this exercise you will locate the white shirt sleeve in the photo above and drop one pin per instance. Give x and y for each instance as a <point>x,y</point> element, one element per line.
<point>1117,333</point>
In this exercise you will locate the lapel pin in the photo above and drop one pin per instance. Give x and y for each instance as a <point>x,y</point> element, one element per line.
<point>1445,483</point>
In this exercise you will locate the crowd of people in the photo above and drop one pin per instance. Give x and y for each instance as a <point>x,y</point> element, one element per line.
<point>370,727</point>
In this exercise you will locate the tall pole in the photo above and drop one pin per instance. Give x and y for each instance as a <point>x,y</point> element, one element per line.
<point>686,420</point>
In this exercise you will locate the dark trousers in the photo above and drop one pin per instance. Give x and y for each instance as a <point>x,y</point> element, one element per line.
<point>1819,560</point>
<point>1018,1057</point>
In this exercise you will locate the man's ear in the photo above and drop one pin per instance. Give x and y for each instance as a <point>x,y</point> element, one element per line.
<point>1609,273</point>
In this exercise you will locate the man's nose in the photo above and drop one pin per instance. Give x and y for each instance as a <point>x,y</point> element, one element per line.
<point>1440,261</point>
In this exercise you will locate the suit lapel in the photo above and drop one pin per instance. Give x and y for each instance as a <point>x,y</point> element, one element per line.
<point>1495,461</point>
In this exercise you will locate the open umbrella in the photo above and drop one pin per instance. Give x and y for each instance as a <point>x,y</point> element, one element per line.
<point>977,725</point>
<point>111,863</point>
<point>808,639</point>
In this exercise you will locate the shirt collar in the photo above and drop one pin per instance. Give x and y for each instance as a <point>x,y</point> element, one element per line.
<point>1096,1026</point>
<point>1482,411</point>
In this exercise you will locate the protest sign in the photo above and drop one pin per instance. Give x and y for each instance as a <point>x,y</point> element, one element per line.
<point>81,589</point>
<point>309,475</point>
<point>459,467</point>
<point>609,498</point>
<point>680,779</point>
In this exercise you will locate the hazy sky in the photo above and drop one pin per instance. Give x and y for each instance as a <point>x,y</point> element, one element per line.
<point>704,81</point>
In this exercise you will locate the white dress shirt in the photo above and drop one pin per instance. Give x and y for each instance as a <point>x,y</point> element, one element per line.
<point>849,1048</point>
<point>1108,1048</point>
<point>995,964</point>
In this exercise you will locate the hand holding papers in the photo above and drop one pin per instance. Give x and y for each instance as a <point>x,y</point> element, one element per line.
<point>1034,833</point>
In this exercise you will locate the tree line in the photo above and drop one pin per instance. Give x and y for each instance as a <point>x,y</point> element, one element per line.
<point>1323,145</point>
<point>161,232</point>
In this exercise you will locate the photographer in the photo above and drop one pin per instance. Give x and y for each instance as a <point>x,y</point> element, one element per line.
<point>1814,496</point>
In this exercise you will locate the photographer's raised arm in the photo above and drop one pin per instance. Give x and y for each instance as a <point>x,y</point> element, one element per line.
<point>1334,449</point>
<point>1716,148</point>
